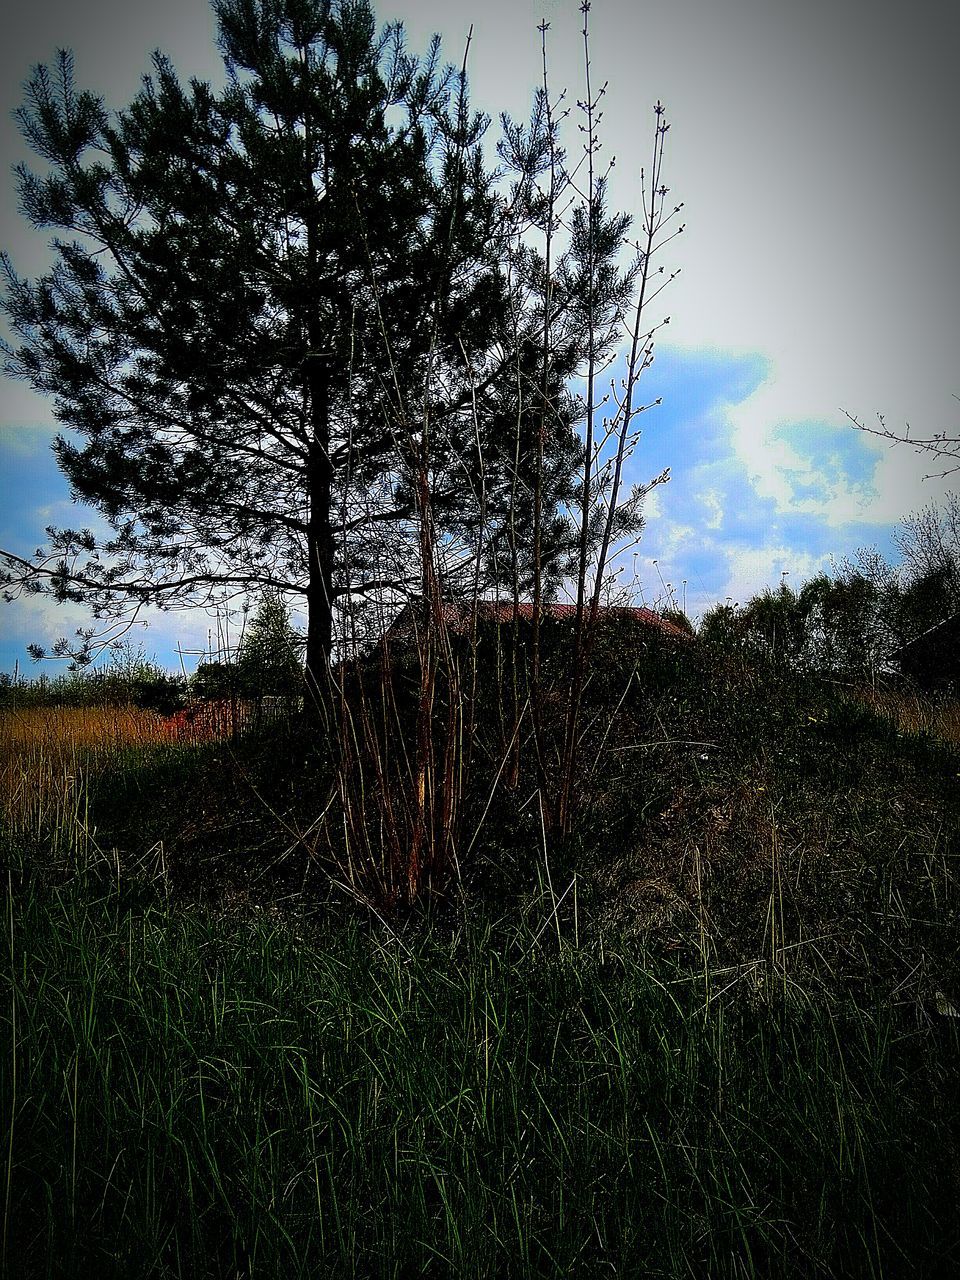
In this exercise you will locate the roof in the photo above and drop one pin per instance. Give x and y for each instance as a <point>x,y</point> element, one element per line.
<point>939,643</point>
<point>458,616</point>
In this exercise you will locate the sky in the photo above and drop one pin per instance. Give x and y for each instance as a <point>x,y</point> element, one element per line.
<point>814,147</point>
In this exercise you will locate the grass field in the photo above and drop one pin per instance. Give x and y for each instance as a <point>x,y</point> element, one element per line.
<point>49,756</point>
<point>194,1096</point>
<point>713,1036</point>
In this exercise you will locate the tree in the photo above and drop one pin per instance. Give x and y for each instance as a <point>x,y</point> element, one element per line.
<point>775,623</point>
<point>941,444</point>
<point>873,607</point>
<point>929,542</point>
<point>261,299</point>
<point>268,661</point>
<point>845,618</point>
<point>851,622</point>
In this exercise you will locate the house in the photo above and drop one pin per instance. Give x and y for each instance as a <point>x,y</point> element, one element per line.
<point>458,616</point>
<point>934,656</point>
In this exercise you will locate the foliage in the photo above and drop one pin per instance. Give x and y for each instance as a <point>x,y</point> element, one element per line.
<point>773,626</point>
<point>849,624</point>
<point>929,542</point>
<point>215,681</point>
<point>54,758</point>
<point>268,661</point>
<point>129,678</point>
<point>679,619</point>
<point>726,763</point>
<point>309,347</point>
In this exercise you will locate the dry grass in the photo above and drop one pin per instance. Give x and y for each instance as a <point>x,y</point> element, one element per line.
<point>47,755</point>
<point>101,729</point>
<point>914,713</point>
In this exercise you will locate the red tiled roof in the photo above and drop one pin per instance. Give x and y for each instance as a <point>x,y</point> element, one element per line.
<point>457,615</point>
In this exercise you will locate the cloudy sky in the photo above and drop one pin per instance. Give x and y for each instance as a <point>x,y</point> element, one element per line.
<point>815,149</point>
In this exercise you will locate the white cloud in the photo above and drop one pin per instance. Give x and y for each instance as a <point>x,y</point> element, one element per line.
<point>751,570</point>
<point>710,499</point>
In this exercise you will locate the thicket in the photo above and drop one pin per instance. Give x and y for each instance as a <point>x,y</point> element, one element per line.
<point>734,812</point>
<point>129,679</point>
<point>267,664</point>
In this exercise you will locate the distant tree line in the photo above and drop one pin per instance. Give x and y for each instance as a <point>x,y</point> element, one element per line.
<point>268,664</point>
<point>850,624</point>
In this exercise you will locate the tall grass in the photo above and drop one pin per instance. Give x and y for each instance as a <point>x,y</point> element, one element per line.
<point>49,756</point>
<point>187,1095</point>
<point>914,712</point>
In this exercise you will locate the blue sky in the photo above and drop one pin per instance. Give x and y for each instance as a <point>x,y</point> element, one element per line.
<point>713,525</point>
<point>814,148</point>
<point>711,530</point>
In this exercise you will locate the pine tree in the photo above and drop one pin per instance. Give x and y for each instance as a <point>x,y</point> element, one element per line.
<point>261,298</point>
<point>278,311</point>
<point>268,662</point>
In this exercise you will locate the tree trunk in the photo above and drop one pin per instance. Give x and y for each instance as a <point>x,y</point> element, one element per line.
<point>320,542</point>
<point>319,371</point>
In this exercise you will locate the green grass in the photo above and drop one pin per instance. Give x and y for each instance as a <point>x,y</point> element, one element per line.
<point>187,1094</point>
<point>700,1038</point>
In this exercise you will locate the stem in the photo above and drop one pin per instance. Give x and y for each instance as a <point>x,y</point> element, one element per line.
<point>579,654</point>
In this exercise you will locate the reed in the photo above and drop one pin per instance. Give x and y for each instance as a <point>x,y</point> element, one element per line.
<point>49,755</point>
<point>915,713</point>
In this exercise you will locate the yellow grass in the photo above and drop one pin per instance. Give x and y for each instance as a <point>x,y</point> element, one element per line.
<point>47,754</point>
<point>915,714</point>
<point>100,729</point>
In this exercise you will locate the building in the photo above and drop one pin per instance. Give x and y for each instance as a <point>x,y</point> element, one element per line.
<point>458,616</point>
<point>933,657</point>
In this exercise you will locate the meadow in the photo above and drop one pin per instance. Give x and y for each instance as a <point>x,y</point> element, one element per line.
<point>49,754</point>
<point>712,1035</point>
